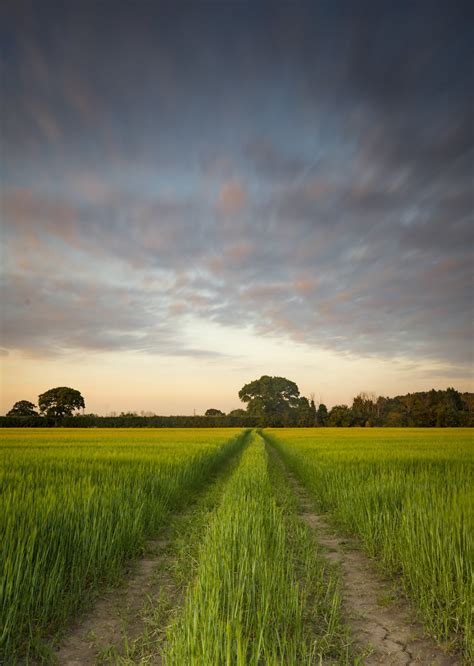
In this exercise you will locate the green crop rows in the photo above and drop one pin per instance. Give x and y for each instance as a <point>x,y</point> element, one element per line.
<point>409,494</point>
<point>76,505</point>
<point>249,601</point>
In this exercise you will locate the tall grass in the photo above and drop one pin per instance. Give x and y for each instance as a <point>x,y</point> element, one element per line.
<point>76,505</point>
<point>247,604</point>
<point>409,495</point>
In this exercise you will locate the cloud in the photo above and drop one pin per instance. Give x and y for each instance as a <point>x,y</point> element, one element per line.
<point>274,164</point>
<point>47,123</point>
<point>232,198</point>
<point>76,315</point>
<point>339,270</point>
<point>339,148</point>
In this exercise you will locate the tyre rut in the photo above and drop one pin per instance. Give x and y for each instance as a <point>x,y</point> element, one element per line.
<point>117,619</point>
<point>387,630</point>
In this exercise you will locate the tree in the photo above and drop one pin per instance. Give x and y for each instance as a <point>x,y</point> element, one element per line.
<point>60,401</point>
<point>313,412</point>
<point>305,415</point>
<point>237,413</point>
<point>454,399</point>
<point>340,416</point>
<point>270,398</point>
<point>322,415</point>
<point>23,408</point>
<point>214,412</point>
<point>364,408</point>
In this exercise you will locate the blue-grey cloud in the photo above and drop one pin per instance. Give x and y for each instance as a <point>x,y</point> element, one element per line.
<point>307,171</point>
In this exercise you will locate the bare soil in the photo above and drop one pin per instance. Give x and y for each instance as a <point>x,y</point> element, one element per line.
<point>382,624</point>
<point>117,616</point>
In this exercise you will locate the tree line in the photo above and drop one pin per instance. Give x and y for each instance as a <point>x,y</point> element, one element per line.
<point>424,409</point>
<point>270,402</point>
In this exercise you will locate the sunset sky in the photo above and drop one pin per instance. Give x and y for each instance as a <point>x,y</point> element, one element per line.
<point>196,194</point>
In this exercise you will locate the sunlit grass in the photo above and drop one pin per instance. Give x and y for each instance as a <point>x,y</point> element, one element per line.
<point>409,494</point>
<point>77,504</point>
<point>253,594</point>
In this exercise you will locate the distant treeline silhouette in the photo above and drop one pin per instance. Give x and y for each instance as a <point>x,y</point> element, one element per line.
<point>425,409</point>
<point>448,408</point>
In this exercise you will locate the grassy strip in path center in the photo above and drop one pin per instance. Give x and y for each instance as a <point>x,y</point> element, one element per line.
<point>255,596</point>
<point>175,566</point>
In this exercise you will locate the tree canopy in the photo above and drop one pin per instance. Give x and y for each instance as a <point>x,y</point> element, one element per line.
<point>238,413</point>
<point>435,408</point>
<point>60,401</point>
<point>213,412</point>
<point>23,408</point>
<point>268,397</point>
<point>322,415</point>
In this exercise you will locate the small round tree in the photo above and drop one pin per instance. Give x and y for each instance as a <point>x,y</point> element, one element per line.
<point>23,408</point>
<point>60,401</point>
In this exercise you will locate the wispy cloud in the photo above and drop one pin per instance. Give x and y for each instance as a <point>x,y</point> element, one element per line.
<point>299,173</point>
<point>231,197</point>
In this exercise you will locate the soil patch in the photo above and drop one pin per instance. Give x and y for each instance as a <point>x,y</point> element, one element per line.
<point>99,637</point>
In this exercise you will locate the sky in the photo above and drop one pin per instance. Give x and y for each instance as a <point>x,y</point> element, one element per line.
<point>194,194</point>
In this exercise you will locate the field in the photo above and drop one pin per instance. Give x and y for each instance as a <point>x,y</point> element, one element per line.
<point>408,493</point>
<point>77,504</point>
<point>241,577</point>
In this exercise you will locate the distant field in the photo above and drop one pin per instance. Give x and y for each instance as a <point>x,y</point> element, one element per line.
<point>77,504</point>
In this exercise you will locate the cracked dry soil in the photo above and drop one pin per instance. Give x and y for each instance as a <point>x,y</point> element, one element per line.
<point>388,630</point>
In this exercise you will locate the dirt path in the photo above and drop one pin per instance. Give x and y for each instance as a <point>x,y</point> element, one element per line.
<point>99,637</point>
<point>125,615</point>
<point>376,620</point>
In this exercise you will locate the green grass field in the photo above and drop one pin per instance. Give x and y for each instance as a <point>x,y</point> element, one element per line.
<point>408,493</point>
<point>77,504</point>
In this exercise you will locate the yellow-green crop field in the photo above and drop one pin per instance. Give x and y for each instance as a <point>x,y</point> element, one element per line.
<point>76,504</point>
<point>408,493</point>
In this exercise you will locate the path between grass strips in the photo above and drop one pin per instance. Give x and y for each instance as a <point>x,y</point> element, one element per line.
<point>124,621</point>
<point>99,637</point>
<point>128,625</point>
<point>375,618</point>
